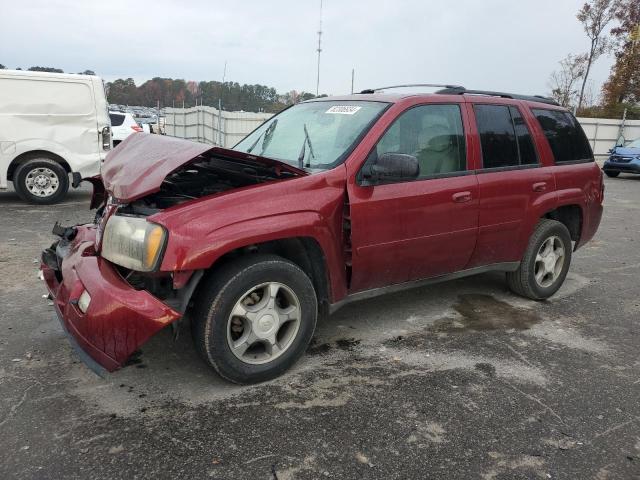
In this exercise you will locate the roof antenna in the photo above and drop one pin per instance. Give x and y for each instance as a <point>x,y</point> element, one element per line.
<point>319,50</point>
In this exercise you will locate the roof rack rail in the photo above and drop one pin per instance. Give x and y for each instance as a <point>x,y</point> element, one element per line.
<point>432,85</point>
<point>464,91</point>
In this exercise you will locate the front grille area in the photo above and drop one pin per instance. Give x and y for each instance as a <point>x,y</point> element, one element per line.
<point>620,159</point>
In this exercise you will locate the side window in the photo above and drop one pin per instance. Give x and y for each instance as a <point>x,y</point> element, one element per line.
<point>566,137</point>
<point>117,119</point>
<point>525,143</point>
<point>433,134</point>
<point>504,136</point>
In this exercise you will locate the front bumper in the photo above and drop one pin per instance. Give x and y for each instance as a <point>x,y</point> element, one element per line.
<point>119,318</point>
<point>624,167</point>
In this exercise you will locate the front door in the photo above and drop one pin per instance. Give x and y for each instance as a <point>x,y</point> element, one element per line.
<point>419,228</point>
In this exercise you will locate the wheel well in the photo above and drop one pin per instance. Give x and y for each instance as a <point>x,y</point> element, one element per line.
<point>305,252</point>
<point>35,154</point>
<point>571,217</point>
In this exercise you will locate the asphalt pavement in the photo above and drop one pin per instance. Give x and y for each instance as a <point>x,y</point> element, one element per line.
<point>459,380</point>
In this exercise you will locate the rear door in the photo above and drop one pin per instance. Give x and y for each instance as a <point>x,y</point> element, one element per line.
<point>103,121</point>
<point>420,228</point>
<point>511,180</point>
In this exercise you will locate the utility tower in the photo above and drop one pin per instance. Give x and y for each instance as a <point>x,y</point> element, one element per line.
<point>319,51</point>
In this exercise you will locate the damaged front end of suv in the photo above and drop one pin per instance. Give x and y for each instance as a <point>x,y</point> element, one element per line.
<point>119,280</point>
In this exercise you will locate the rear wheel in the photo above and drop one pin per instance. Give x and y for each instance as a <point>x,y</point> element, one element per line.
<point>545,263</point>
<point>41,180</point>
<point>255,318</point>
<point>611,173</point>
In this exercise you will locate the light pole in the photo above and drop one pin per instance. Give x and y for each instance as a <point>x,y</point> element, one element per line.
<point>319,50</point>
<point>224,74</point>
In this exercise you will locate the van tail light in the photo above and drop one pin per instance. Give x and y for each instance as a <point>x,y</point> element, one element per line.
<point>106,138</point>
<point>136,128</point>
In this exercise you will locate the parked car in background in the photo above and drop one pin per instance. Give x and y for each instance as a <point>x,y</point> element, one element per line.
<point>122,125</point>
<point>623,159</point>
<point>330,201</point>
<point>52,126</point>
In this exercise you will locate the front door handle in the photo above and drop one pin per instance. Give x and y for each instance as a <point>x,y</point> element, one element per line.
<point>540,186</point>
<point>462,197</point>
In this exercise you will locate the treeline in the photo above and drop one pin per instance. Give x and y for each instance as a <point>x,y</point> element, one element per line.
<point>49,69</point>
<point>169,92</point>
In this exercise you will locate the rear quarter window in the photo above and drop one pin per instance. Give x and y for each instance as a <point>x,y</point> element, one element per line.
<point>117,119</point>
<point>565,135</point>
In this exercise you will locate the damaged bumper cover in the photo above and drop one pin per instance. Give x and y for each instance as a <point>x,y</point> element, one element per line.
<point>118,319</point>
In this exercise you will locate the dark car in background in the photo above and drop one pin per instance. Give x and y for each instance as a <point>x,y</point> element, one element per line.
<point>623,159</point>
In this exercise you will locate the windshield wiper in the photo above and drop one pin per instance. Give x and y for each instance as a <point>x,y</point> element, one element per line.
<point>267,134</point>
<point>253,145</point>
<point>303,151</point>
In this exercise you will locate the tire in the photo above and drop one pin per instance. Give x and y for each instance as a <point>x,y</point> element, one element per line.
<point>612,174</point>
<point>41,169</point>
<point>216,332</point>
<point>524,281</point>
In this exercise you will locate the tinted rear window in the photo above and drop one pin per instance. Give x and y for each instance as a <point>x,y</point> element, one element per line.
<point>566,138</point>
<point>505,138</point>
<point>116,119</point>
<point>525,143</point>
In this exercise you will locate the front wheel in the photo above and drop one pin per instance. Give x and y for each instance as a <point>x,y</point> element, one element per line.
<point>41,180</point>
<point>611,173</point>
<point>545,263</point>
<point>254,318</point>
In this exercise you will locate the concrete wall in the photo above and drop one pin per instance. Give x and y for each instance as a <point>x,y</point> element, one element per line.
<point>201,124</point>
<point>603,133</point>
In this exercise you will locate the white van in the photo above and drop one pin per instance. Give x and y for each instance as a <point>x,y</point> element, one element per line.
<point>52,125</point>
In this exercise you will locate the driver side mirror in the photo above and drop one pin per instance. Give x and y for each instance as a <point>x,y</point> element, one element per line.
<point>392,167</point>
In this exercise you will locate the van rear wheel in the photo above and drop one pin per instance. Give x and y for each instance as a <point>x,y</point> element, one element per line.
<point>545,263</point>
<point>41,180</point>
<point>254,318</point>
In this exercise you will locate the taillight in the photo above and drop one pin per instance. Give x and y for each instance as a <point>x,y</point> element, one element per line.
<point>136,128</point>
<point>106,138</point>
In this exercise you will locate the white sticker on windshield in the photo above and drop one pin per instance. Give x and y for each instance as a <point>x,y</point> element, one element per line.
<point>343,109</point>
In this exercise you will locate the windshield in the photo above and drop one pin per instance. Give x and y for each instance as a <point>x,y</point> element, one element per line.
<point>313,135</point>
<point>634,144</point>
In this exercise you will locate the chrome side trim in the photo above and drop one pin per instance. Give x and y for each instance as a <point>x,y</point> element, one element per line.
<point>398,287</point>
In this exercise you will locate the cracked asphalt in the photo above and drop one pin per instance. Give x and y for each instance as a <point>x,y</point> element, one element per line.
<point>459,380</point>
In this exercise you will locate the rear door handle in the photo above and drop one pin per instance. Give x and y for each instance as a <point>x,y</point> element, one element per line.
<point>540,186</point>
<point>462,197</point>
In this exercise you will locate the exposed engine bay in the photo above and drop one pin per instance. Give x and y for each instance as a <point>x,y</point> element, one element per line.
<point>205,176</point>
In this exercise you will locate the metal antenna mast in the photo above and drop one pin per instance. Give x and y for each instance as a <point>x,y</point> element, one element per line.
<point>319,51</point>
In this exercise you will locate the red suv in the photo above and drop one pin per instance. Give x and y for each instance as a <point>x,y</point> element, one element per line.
<point>332,200</point>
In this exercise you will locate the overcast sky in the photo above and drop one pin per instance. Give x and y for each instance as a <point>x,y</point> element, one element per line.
<point>490,44</point>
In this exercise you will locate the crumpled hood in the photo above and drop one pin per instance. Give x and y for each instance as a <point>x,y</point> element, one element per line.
<point>139,165</point>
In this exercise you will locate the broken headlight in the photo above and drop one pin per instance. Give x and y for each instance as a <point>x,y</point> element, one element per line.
<point>133,243</point>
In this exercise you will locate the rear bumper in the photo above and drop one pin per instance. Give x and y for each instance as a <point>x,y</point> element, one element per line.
<point>629,167</point>
<point>119,318</point>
